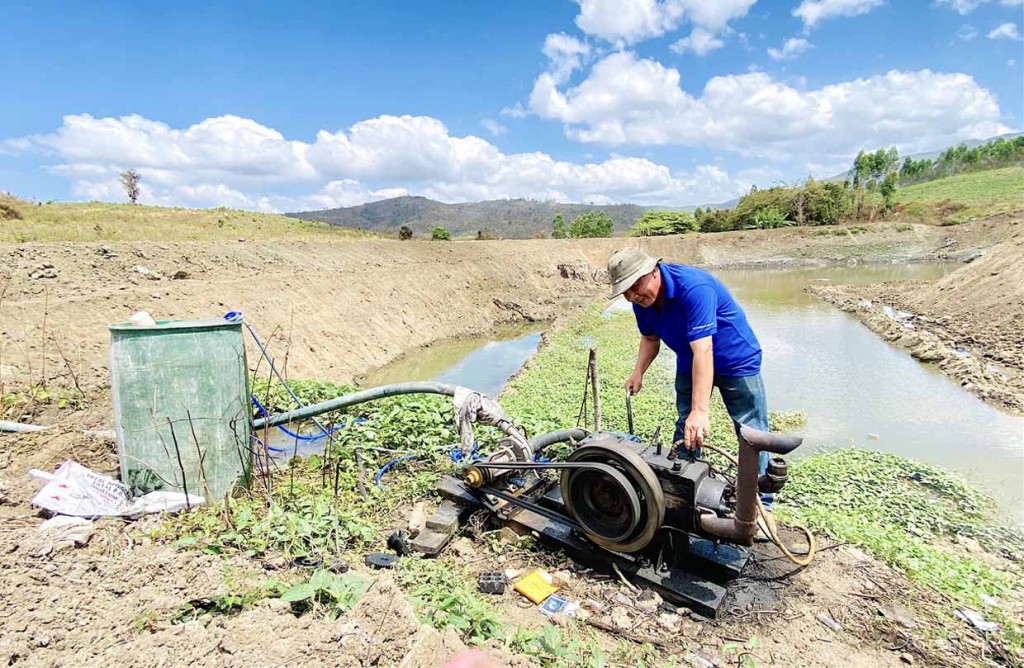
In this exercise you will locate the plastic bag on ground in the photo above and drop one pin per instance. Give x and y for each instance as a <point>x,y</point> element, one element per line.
<point>78,491</point>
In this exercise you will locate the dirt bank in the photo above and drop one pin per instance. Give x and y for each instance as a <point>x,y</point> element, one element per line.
<point>969,323</point>
<point>342,308</point>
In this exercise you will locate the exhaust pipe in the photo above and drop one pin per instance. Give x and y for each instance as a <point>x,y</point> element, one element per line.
<point>741,527</point>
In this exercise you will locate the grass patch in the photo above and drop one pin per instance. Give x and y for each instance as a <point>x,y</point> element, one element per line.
<point>97,221</point>
<point>963,196</point>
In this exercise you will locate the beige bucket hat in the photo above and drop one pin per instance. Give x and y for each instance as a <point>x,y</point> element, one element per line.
<point>626,267</point>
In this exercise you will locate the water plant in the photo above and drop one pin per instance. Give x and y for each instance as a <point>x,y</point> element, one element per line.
<point>923,521</point>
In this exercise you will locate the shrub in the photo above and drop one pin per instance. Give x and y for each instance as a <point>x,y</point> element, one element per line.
<point>770,219</point>
<point>828,203</point>
<point>440,234</point>
<point>758,201</point>
<point>660,223</point>
<point>405,233</point>
<point>722,220</point>
<point>9,208</point>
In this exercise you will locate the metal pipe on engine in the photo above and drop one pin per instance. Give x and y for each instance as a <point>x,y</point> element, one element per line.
<point>741,527</point>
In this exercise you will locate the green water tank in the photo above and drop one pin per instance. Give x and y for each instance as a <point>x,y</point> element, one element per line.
<point>181,406</point>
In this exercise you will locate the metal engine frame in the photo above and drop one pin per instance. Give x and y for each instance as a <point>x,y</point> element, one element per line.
<point>683,566</point>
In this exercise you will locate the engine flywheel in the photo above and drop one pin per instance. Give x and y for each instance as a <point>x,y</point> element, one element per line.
<point>622,512</point>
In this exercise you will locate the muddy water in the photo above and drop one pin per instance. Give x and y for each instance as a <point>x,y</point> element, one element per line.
<point>857,389</point>
<point>484,363</point>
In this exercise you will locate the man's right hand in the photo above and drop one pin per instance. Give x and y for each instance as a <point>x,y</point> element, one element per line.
<point>635,383</point>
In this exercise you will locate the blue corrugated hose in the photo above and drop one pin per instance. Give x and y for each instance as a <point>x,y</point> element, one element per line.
<point>384,469</point>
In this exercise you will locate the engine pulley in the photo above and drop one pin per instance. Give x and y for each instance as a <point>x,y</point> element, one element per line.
<point>622,512</point>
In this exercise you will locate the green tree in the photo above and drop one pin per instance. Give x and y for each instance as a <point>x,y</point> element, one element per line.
<point>405,233</point>
<point>440,234</point>
<point>862,165</point>
<point>888,190</point>
<point>592,224</point>
<point>558,230</point>
<point>697,213</point>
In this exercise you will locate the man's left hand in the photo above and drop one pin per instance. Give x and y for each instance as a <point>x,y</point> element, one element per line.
<point>696,429</point>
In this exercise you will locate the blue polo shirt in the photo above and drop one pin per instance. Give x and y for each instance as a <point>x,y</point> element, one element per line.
<point>697,305</point>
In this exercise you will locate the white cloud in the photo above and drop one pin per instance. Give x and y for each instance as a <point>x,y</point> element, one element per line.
<point>813,12</point>
<point>1011,62</point>
<point>967,33</point>
<point>628,21</point>
<point>236,162</point>
<point>565,54</point>
<point>630,100</point>
<point>964,7</point>
<point>700,41</point>
<point>1005,31</point>
<point>791,48</point>
<point>624,22</point>
<point>493,126</point>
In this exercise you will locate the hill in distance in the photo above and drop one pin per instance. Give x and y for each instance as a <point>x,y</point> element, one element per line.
<point>508,218</point>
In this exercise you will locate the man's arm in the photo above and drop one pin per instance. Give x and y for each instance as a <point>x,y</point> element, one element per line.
<point>698,422</point>
<point>649,347</point>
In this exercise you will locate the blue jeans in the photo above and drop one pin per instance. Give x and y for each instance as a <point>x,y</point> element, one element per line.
<point>744,398</point>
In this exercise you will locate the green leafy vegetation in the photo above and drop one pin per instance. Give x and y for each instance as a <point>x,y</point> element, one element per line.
<point>440,234</point>
<point>25,404</point>
<point>552,647</point>
<point>954,160</point>
<point>814,203</point>
<point>445,597</point>
<point>924,521</point>
<point>230,603</point>
<point>770,219</point>
<point>660,223</point>
<point>404,233</point>
<point>870,168</point>
<point>313,509</point>
<point>326,592</point>
<point>558,228</point>
<point>592,224</point>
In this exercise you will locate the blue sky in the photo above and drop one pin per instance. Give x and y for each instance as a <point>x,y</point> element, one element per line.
<point>274,107</point>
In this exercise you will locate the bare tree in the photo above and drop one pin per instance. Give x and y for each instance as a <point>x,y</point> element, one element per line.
<point>130,182</point>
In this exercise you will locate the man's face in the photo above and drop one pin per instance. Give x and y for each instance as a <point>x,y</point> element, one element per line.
<point>645,291</point>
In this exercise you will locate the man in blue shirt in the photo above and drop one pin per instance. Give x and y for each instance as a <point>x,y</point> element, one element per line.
<point>694,314</point>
